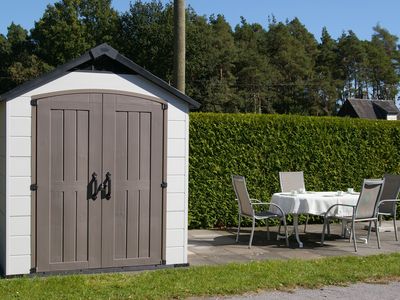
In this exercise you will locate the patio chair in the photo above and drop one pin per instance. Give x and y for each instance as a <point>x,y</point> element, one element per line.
<point>388,204</point>
<point>247,209</point>
<point>364,211</point>
<point>292,181</point>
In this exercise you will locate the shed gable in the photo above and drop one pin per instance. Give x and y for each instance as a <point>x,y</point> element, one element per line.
<point>100,58</point>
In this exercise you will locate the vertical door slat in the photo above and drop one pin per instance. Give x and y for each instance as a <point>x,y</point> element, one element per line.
<point>144,211</point>
<point>70,138</point>
<point>57,175</point>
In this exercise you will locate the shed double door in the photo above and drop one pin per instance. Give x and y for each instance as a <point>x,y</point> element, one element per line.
<point>99,169</point>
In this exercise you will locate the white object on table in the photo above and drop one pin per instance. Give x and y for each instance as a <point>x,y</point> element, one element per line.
<point>313,203</point>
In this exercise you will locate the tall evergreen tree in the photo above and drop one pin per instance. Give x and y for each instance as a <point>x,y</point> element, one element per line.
<point>326,74</point>
<point>18,64</point>
<point>290,49</point>
<point>146,36</point>
<point>70,27</point>
<point>383,64</point>
<point>279,69</point>
<point>352,62</point>
<point>253,71</point>
<point>220,94</point>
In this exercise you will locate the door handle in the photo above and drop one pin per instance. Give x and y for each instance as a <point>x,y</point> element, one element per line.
<point>94,187</point>
<point>107,186</point>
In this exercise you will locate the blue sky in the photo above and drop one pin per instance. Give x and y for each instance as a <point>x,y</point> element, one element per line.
<point>337,15</point>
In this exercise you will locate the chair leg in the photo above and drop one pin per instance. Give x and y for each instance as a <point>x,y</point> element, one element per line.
<point>351,234</point>
<point>305,225</point>
<point>323,231</point>
<point>369,230</point>
<point>377,235</point>
<point>238,230</point>
<point>395,227</point>
<point>252,232</point>
<point>353,230</point>
<point>286,232</point>
<point>268,235</point>
<point>329,228</point>
<point>279,228</point>
<point>343,228</point>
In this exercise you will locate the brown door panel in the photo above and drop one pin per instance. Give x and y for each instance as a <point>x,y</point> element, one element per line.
<point>82,134</point>
<point>67,146</point>
<point>133,154</point>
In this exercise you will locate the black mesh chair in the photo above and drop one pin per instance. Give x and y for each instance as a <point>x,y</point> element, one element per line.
<point>247,205</point>
<point>388,204</point>
<point>364,211</point>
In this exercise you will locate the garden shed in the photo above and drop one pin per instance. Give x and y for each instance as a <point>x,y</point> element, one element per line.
<point>94,169</point>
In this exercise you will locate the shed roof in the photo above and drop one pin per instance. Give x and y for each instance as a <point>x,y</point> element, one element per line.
<point>369,109</point>
<point>104,58</point>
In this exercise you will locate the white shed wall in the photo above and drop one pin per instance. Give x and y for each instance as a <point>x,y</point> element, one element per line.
<point>18,181</point>
<point>2,187</point>
<point>18,158</point>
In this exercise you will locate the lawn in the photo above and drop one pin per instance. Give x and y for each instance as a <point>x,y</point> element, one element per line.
<point>207,280</point>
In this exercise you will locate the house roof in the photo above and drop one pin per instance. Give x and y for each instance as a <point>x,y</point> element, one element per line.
<point>104,58</point>
<point>387,105</point>
<point>369,109</point>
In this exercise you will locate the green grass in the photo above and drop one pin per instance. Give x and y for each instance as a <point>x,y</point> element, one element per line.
<point>207,280</point>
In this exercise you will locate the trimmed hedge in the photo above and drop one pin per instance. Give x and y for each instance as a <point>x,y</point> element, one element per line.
<point>334,153</point>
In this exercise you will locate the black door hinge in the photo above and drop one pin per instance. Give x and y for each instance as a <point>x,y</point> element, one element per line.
<point>164,106</point>
<point>33,187</point>
<point>34,102</point>
<point>164,184</point>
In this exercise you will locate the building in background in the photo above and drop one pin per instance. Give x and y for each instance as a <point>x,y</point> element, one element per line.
<point>370,109</point>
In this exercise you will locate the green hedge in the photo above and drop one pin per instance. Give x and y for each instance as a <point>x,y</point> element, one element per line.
<point>334,153</point>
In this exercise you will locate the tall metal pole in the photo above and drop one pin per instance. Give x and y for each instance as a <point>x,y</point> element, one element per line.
<point>179,45</point>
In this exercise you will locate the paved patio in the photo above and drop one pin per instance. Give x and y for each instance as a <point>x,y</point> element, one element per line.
<point>207,247</point>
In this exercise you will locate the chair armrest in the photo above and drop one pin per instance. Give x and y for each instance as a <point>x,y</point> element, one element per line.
<point>255,200</point>
<point>271,204</point>
<point>339,204</point>
<point>385,201</point>
<point>388,200</point>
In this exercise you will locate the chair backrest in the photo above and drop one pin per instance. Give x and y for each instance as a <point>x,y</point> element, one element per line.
<point>390,191</point>
<point>370,196</point>
<point>291,181</point>
<point>239,185</point>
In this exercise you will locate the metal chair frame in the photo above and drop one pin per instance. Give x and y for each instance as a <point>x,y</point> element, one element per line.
<point>265,215</point>
<point>353,220</point>
<point>301,185</point>
<point>391,191</point>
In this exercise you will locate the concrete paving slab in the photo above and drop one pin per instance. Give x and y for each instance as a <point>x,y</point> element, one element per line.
<point>219,246</point>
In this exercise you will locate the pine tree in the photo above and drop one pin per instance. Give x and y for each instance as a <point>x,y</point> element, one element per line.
<point>18,63</point>
<point>70,27</point>
<point>352,62</point>
<point>253,70</point>
<point>146,36</point>
<point>326,74</point>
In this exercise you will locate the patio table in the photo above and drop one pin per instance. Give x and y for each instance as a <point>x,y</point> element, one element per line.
<point>312,203</point>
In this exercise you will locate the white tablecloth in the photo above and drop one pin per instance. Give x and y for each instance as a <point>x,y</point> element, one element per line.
<point>314,203</point>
